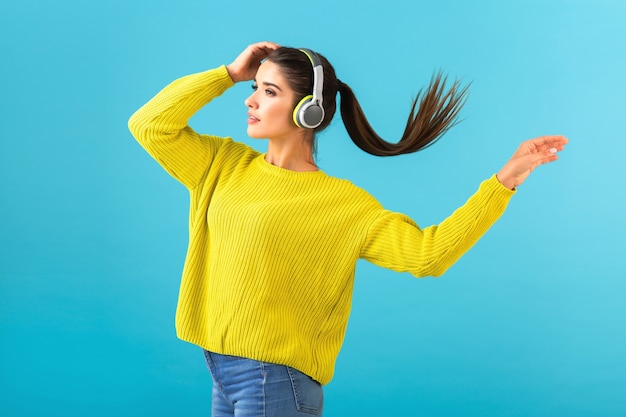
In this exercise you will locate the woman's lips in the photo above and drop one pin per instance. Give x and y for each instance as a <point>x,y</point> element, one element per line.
<point>252,119</point>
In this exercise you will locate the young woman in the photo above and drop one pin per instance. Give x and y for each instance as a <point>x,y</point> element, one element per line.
<point>273,241</point>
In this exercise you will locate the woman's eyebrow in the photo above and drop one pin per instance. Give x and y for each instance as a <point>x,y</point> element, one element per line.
<point>269,84</point>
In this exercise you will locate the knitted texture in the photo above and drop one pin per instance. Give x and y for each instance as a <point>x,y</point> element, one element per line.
<point>272,253</point>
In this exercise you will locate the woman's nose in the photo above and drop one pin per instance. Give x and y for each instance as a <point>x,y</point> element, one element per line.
<point>250,102</point>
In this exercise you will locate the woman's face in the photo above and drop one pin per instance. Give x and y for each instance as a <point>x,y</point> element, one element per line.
<point>270,106</point>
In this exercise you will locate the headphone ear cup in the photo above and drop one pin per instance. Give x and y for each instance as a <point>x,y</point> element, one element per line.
<point>308,114</point>
<point>298,112</point>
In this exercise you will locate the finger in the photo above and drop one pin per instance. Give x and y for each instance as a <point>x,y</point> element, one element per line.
<point>546,142</point>
<point>262,49</point>
<point>534,159</point>
<point>271,45</point>
<point>267,45</point>
<point>546,156</point>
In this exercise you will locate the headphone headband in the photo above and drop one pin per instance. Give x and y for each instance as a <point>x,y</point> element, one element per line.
<point>318,75</point>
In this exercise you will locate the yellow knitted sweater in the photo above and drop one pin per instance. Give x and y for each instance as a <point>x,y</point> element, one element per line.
<point>272,253</point>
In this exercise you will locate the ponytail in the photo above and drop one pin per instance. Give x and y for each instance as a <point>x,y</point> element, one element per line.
<point>432,113</point>
<point>437,111</point>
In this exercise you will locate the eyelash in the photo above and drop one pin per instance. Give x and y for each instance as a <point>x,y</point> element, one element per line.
<point>267,91</point>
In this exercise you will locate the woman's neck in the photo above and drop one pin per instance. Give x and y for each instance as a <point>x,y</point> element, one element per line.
<point>294,155</point>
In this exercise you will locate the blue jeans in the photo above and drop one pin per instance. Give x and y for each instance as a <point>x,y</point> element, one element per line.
<point>248,388</point>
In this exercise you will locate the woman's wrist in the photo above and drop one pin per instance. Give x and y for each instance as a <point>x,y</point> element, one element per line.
<point>232,72</point>
<point>508,183</point>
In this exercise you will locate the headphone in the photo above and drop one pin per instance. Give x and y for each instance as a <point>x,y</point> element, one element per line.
<point>309,112</point>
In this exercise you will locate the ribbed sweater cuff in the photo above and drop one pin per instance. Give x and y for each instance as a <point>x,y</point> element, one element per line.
<point>494,185</point>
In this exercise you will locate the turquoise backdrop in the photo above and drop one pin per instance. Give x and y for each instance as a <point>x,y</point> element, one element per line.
<point>531,322</point>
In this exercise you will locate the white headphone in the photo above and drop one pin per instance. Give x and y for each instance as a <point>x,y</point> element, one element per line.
<point>309,112</point>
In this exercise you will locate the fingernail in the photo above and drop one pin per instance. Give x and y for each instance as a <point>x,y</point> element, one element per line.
<point>552,150</point>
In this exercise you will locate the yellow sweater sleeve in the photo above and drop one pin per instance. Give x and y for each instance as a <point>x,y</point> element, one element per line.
<point>396,242</point>
<point>161,125</point>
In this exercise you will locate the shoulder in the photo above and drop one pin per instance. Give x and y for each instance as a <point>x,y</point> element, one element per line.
<point>353,193</point>
<point>231,150</point>
<point>229,157</point>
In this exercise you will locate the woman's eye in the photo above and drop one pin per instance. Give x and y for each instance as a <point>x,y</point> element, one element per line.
<point>267,91</point>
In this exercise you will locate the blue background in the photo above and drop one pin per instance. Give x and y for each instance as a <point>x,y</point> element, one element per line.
<point>531,322</point>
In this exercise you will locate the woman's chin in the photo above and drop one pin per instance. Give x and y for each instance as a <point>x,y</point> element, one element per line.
<point>254,134</point>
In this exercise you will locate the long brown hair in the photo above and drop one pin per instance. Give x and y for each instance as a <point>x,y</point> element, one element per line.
<point>433,112</point>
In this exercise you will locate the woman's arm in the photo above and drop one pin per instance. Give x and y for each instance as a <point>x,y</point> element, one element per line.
<point>161,125</point>
<point>396,242</point>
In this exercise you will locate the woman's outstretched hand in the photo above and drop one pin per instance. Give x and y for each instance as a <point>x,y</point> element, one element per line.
<point>245,66</point>
<point>530,155</point>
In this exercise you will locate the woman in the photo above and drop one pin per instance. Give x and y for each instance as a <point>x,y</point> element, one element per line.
<point>273,241</point>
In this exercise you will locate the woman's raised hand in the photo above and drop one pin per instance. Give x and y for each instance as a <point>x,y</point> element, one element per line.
<point>530,155</point>
<point>245,66</point>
